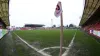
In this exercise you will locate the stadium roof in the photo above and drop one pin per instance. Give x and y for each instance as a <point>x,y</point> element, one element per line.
<point>4,11</point>
<point>33,25</point>
<point>89,9</point>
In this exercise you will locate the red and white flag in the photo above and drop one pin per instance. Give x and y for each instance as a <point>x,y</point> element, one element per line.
<point>58,9</point>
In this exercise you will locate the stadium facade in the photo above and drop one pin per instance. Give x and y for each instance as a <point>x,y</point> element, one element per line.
<point>4,14</point>
<point>90,21</point>
<point>33,25</point>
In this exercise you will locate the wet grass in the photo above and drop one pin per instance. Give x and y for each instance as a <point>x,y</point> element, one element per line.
<point>7,46</point>
<point>22,49</point>
<point>46,38</point>
<point>85,45</point>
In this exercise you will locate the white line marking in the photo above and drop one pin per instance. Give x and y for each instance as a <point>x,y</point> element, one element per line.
<point>52,48</point>
<point>41,52</point>
<point>71,43</point>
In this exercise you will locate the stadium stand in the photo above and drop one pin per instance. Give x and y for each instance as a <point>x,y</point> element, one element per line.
<point>4,13</point>
<point>33,25</point>
<point>90,20</point>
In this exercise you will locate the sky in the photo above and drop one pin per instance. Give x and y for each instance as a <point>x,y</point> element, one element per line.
<point>42,12</point>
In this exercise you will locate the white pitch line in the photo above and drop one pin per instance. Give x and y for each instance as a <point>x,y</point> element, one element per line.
<point>71,43</point>
<point>52,48</point>
<point>41,52</point>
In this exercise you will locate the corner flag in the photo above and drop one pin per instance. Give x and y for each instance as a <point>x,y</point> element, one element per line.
<point>58,9</point>
<point>58,12</point>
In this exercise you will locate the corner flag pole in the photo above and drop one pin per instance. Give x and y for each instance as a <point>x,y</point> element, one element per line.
<point>61,34</point>
<point>59,12</point>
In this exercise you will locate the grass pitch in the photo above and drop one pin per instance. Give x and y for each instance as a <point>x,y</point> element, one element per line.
<point>84,44</point>
<point>46,38</point>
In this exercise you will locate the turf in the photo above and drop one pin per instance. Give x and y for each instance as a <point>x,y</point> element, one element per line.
<point>22,49</point>
<point>7,46</point>
<point>46,38</point>
<point>85,45</point>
